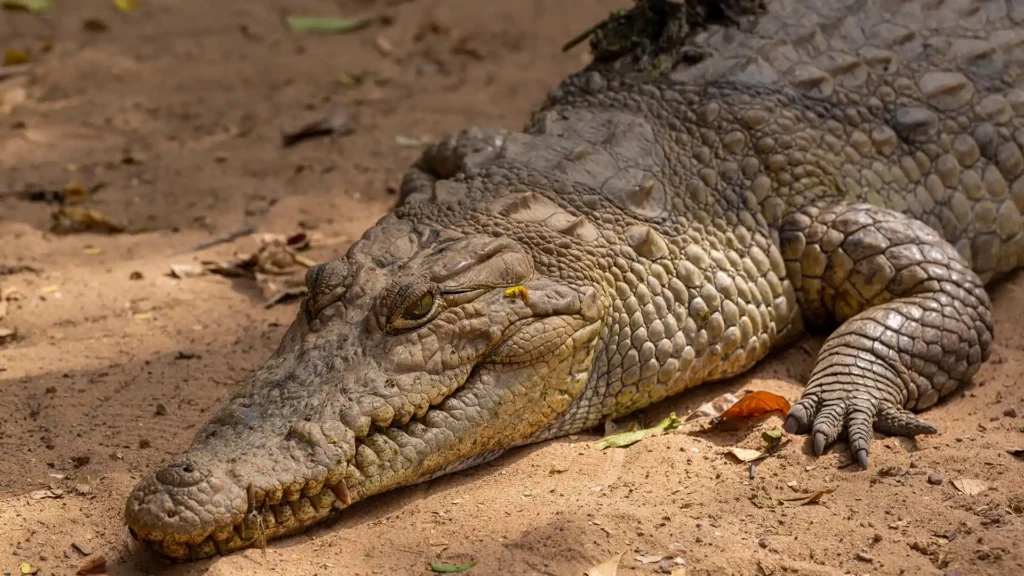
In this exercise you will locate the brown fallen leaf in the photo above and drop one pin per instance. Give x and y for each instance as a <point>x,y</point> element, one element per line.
<point>11,99</point>
<point>11,294</point>
<point>183,271</point>
<point>71,220</point>
<point>969,487</point>
<point>713,408</point>
<point>756,404</point>
<point>13,57</point>
<point>747,455</point>
<point>763,499</point>
<point>93,564</point>
<point>276,267</point>
<point>46,493</point>
<point>336,123</point>
<point>609,567</point>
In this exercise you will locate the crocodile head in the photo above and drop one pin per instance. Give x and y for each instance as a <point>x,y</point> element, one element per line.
<point>423,351</point>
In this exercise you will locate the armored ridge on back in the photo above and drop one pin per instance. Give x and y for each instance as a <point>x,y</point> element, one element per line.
<point>723,176</point>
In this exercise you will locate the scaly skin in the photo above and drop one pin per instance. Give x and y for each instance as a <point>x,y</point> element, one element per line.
<point>670,215</point>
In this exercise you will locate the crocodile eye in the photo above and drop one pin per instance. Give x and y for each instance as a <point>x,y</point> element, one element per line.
<point>419,308</point>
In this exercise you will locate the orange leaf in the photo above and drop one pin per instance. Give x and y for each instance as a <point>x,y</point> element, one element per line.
<point>756,404</point>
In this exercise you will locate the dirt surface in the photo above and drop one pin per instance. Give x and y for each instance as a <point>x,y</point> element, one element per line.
<point>170,121</point>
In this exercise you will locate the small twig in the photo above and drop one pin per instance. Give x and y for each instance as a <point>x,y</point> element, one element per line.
<point>229,237</point>
<point>16,70</point>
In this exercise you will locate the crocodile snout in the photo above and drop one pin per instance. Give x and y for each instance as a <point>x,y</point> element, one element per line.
<point>184,508</point>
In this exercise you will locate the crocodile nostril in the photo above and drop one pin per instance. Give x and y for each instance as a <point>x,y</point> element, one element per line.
<point>182,474</point>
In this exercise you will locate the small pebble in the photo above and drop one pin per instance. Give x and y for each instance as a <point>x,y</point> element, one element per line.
<point>1010,412</point>
<point>934,479</point>
<point>161,410</point>
<point>763,543</point>
<point>863,557</point>
<point>877,537</point>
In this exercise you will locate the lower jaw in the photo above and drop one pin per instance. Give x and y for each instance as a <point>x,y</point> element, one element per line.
<point>257,528</point>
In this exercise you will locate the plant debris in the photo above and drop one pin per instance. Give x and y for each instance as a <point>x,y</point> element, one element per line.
<point>625,439</point>
<point>46,493</point>
<point>277,268</point>
<point>93,564</point>
<point>755,404</point>
<point>27,568</point>
<point>71,220</point>
<point>451,568</point>
<point>969,487</point>
<point>713,408</point>
<point>13,57</point>
<point>747,454</point>
<point>609,567</point>
<point>337,123</point>
<point>183,271</point>
<point>326,24</point>
<point>763,499</point>
<point>409,142</point>
<point>35,6</point>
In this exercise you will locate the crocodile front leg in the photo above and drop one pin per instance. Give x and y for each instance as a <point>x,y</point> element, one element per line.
<point>915,321</point>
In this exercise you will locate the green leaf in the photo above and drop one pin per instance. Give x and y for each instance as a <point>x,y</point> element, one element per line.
<point>451,568</point>
<point>27,5</point>
<point>772,437</point>
<point>326,24</point>
<point>670,422</point>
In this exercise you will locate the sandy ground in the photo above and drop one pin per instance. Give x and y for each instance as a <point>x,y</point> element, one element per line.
<point>173,116</point>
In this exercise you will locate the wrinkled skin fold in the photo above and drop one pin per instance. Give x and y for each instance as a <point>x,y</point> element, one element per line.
<point>814,165</point>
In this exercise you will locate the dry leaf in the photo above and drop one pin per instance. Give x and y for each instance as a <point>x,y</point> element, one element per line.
<point>14,57</point>
<point>763,499</point>
<point>714,408</point>
<point>629,438</point>
<point>183,271</point>
<point>747,455</point>
<point>27,5</point>
<point>11,294</point>
<point>70,220</point>
<point>11,99</point>
<point>407,142</point>
<point>43,494</point>
<point>756,404</point>
<point>609,567</point>
<point>337,123</point>
<point>649,558</point>
<point>969,487</point>
<point>451,568</point>
<point>329,25</point>
<point>277,269</point>
<point>93,564</point>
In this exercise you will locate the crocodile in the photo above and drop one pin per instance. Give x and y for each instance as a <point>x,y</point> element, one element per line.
<point>721,179</point>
